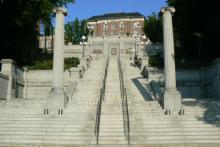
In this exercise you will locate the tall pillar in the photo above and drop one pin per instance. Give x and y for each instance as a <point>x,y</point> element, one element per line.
<point>172,97</point>
<point>57,98</point>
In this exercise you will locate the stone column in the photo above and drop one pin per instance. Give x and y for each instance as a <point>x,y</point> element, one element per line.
<point>57,98</point>
<point>172,97</point>
<point>8,68</point>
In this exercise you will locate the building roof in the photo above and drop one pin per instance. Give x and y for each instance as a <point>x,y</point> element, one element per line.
<point>116,16</point>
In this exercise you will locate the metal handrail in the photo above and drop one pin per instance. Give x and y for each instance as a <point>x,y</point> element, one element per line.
<point>99,105</point>
<point>126,120</point>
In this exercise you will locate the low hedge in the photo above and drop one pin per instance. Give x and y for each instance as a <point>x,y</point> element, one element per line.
<point>47,64</point>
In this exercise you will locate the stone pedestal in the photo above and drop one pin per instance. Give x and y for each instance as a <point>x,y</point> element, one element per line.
<point>74,74</point>
<point>172,97</point>
<point>57,98</point>
<point>172,102</point>
<point>8,68</point>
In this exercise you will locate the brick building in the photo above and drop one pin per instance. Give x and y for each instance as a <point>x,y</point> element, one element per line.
<point>117,24</point>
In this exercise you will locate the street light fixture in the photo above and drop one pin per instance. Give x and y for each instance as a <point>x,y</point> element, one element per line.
<point>83,43</point>
<point>143,43</point>
<point>135,45</point>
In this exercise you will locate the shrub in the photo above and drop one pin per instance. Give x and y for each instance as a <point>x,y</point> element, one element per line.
<point>46,64</point>
<point>71,62</point>
<point>155,61</point>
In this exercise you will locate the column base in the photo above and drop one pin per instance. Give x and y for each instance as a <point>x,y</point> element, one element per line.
<point>172,102</point>
<point>57,100</point>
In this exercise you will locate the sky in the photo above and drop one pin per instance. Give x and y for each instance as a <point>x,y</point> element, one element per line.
<point>84,9</point>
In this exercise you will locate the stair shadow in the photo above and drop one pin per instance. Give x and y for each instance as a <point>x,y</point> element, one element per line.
<point>208,116</point>
<point>145,94</point>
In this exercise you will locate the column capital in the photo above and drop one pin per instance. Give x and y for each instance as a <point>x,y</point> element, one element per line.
<point>61,10</point>
<point>167,9</point>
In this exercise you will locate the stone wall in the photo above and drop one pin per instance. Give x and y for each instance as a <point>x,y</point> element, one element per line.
<point>39,82</point>
<point>16,82</point>
<point>188,81</point>
<point>3,86</point>
<point>201,83</point>
<point>14,74</point>
<point>19,92</point>
<point>211,78</point>
<point>123,45</point>
<point>71,50</point>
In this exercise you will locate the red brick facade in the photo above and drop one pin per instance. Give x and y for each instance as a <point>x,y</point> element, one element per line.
<point>117,26</point>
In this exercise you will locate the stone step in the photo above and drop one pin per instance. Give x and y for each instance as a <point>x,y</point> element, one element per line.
<point>179,133</point>
<point>175,129</point>
<point>47,141</point>
<point>112,137</point>
<point>85,128</point>
<point>46,132</point>
<point>112,142</point>
<point>176,137</point>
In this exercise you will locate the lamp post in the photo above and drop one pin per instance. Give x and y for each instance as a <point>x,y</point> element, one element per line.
<point>135,45</point>
<point>143,43</point>
<point>83,43</point>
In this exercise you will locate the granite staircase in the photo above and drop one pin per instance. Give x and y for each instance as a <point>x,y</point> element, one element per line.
<point>200,123</point>
<point>111,124</point>
<point>22,121</point>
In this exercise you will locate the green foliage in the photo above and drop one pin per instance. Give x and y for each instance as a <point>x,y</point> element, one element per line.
<point>69,35</point>
<point>192,64</point>
<point>45,62</point>
<point>194,17</point>
<point>155,61</point>
<point>153,28</point>
<point>41,65</point>
<point>75,30</point>
<point>21,25</point>
<point>71,62</point>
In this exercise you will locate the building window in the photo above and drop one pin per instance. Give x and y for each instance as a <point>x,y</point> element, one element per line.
<point>121,25</point>
<point>137,25</point>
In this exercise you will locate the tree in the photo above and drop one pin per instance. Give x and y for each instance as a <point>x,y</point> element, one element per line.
<point>196,27</point>
<point>20,28</point>
<point>75,30</point>
<point>84,28</point>
<point>69,32</point>
<point>153,28</point>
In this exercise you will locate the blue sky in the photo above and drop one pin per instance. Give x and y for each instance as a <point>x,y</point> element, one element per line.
<point>86,8</point>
